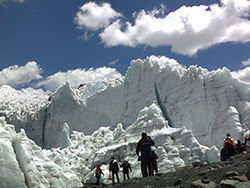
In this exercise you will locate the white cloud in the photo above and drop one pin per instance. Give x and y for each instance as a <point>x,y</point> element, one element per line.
<point>95,16</point>
<point>246,62</point>
<point>5,1</point>
<point>243,74</point>
<point>113,62</point>
<point>78,76</point>
<point>15,75</point>
<point>187,30</point>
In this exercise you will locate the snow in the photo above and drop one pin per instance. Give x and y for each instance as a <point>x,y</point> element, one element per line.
<point>186,111</point>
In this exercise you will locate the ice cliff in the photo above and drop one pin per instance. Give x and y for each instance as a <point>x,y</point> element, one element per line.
<point>207,103</point>
<point>187,111</point>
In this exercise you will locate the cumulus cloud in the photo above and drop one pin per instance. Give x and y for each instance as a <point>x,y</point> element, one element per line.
<point>16,76</point>
<point>78,76</point>
<point>243,74</point>
<point>95,16</point>
<point>246,62</point>
<point>187,30</point>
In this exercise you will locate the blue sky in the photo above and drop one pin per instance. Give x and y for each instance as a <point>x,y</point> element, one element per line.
<point>44,43</point>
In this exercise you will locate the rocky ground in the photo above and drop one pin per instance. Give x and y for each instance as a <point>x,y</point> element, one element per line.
<point>233,173</point>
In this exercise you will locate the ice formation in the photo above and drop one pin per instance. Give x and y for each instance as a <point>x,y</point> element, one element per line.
<point>187,111</point>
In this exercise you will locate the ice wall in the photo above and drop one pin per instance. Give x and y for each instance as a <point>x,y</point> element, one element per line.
<point>209,103</point>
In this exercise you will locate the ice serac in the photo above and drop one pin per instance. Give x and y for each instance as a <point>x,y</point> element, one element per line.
<point>64,137</point>
<point>208,103</point>
<point>39,170</point>
<point>25,109</point>
<point>176,147</point>
<point>10,173</point>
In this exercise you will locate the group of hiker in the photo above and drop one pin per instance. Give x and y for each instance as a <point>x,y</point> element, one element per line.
<point>231,148</point>
<point>148,157</point>
<point>145,154</point>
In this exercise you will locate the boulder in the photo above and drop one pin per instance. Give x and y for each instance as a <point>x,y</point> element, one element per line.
<point>228,183</point>
<point>199,184</point>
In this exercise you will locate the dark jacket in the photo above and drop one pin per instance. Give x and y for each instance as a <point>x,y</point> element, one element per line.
<point>144,145</point>
<point>113,166</point>
<point>126,166</point>
<point>154,157</point>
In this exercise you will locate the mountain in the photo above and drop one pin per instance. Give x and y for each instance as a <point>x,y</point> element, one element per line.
<point>186,111</point>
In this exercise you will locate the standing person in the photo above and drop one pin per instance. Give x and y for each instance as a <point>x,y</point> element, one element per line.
<point>239,147</point>
<point>247,143</point>
<point>126,167</point>
<point>247,148</point>
<point>98,173</point>
<point>144,146</point>
<point>114,168</point>
<point>228,148</point>
<point>154,162</point>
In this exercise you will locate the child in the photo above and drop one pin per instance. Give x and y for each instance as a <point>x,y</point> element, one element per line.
<point>154,163</point>
<point>98,173</point>
<point>126,167</point>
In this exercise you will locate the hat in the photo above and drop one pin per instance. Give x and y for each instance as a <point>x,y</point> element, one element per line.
<point>98,165</point>
<point>246,138</point>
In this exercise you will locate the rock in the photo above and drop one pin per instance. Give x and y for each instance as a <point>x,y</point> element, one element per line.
<point>232,173</point>
<point>228,183</point>
<point>197,163</point>
<point>205,180</point>
<point>204,172</point>
<point>248,174</point>
<point>243,185</point>
<point>199,184</point>
<point>178,182</point>
<point>240,178</point>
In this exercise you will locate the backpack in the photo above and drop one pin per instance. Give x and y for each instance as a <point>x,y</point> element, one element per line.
<point>98,172</point>
<point>228,143</point>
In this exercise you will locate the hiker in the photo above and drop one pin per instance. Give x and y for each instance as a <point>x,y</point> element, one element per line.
<point>247,147</point>
<point>98,173</point>
<point>247,143</point>
<point>114,168</point>
<point>144,146</point>
<point>228,149</point>
<point>154,163</point>
<point>125,169</point>
<point>239,147</point>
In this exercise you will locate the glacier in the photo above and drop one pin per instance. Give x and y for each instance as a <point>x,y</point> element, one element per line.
<point>57,139</point>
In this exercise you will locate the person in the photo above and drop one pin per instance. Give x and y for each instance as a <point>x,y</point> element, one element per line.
<point>114,168</point>
<point>154,163</point>
<point>247,143</point>
<point>228,149</point>
<point>239,147</point>
<point>144,146</point>
<point>247,147</point>
<point>98,173</point>
<point>125,169</point>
